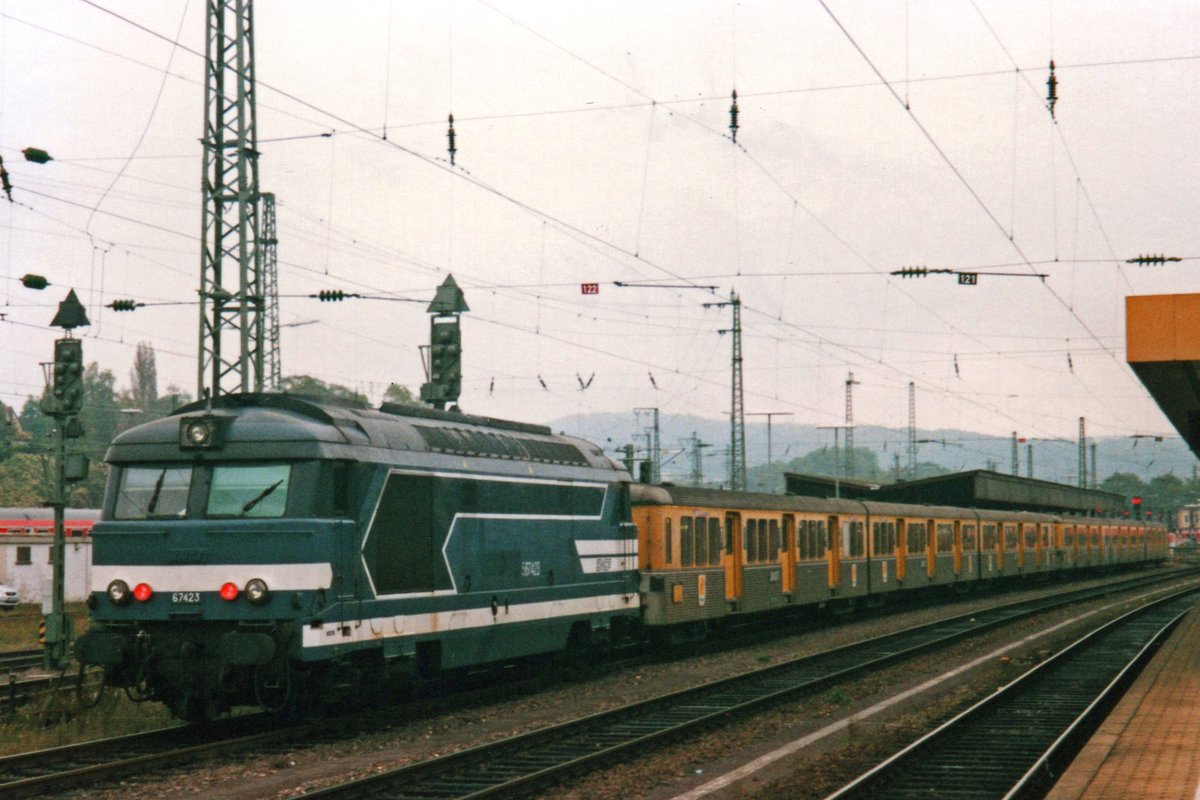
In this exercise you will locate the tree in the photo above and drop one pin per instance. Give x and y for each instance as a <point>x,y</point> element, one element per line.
<point>319,389</point>
<point>400,395</point>
<point>143,379</point>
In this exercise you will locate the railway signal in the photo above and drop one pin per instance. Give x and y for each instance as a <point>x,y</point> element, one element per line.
<point>444,365</point>
<point>63,403</point>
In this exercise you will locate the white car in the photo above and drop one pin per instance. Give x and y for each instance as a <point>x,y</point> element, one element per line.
<point>8,597</point>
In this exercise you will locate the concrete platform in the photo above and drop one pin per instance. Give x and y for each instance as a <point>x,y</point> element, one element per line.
<point>1149,747</point>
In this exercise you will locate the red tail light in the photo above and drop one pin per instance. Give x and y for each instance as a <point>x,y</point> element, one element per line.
<point>229,591</point>
<point>142,592</point>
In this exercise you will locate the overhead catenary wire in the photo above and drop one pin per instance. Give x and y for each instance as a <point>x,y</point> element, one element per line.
<point>635,254</point>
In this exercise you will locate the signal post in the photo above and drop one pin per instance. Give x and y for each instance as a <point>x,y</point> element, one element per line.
<point>63,402</point>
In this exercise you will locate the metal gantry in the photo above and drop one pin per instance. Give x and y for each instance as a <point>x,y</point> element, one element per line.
<point>231,288</point>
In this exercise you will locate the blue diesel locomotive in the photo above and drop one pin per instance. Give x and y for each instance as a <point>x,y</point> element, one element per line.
<point>266,548</point>
<point>275,551</point>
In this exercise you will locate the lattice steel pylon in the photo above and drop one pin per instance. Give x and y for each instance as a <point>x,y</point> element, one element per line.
<point>737,407</point>
<point>912,431</point>
<point>269,270</point>
<point>1083,472</point>
<point>231,318</point>
<point>850,382</point>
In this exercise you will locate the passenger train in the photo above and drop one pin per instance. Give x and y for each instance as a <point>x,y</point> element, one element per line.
<point>272,550</point>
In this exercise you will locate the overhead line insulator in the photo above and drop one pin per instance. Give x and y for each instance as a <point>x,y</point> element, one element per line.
<point>333,295</point>
<point>450,138</point>
<point>1152,260</point>
<point>733,116</point>
<point>1052,90</point>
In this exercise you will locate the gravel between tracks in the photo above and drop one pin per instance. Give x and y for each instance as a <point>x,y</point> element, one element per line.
<point>668,770</point>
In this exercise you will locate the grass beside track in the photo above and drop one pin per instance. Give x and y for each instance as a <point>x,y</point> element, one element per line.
<point>61,721</point>
<point>19,627</point>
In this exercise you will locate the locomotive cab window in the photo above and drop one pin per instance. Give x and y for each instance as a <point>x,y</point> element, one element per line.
<point>249,490</point>
<point>149,492</point>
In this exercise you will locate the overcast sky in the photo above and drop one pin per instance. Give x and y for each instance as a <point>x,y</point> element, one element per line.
<point>593,147</point>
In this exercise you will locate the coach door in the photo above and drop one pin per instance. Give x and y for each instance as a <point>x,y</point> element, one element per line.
<point>835,553</point>
<point>733,556</point>
<point>787,553</point>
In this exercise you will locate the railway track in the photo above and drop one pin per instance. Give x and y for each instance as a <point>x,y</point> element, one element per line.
<point>543,758</point>
<point>1014,743</point>
<point>20,660</point>
<point>91,763</point>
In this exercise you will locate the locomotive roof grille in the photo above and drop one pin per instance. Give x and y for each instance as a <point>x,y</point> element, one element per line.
<point>498,445</point>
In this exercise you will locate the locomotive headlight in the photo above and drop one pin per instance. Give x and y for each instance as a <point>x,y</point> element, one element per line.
<point>205,432</point>
<point>118,592</point>
<point>197,433</point>
<point>256,591</point>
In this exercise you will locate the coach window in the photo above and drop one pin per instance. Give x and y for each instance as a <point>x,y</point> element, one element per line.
<point>802,544</point>
<point>24,555</point>
<point>1031,537</point>
<point>968,538</point>
<point>774,535</point>
<point>763,554</point>
<point>854,535</point>
<point>249,490</point>
<point>146,492</point>
<point>1069,535</point>
<point>667,557</point>
<point>989,538</point>
<point>1010,538</point>
<point>700,529</point>
<point>685,541</point>
<point>945,537</point>
<point>916,539</point>
<point>714,541</point>
<point>820,541</point>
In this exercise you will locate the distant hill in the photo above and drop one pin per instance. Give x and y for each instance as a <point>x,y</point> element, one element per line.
<point>952,450</point>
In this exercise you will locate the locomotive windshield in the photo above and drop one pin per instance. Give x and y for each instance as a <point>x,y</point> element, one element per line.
<point>249,490</point>
<point>153,492</point>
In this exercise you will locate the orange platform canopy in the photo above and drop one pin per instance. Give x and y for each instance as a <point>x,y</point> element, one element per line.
<point>1162,346</point>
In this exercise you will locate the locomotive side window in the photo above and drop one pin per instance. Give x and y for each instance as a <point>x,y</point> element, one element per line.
<point>147,492</point>
<point>249,490</point>
<point>685,541</point>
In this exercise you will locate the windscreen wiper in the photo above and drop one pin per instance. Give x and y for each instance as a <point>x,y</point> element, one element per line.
<point>251,503</point>
<point>158,484</point>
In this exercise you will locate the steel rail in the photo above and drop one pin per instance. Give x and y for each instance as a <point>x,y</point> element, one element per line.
<point>57,768</point>
<point>1014,742</point>
<point>547,756</point>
